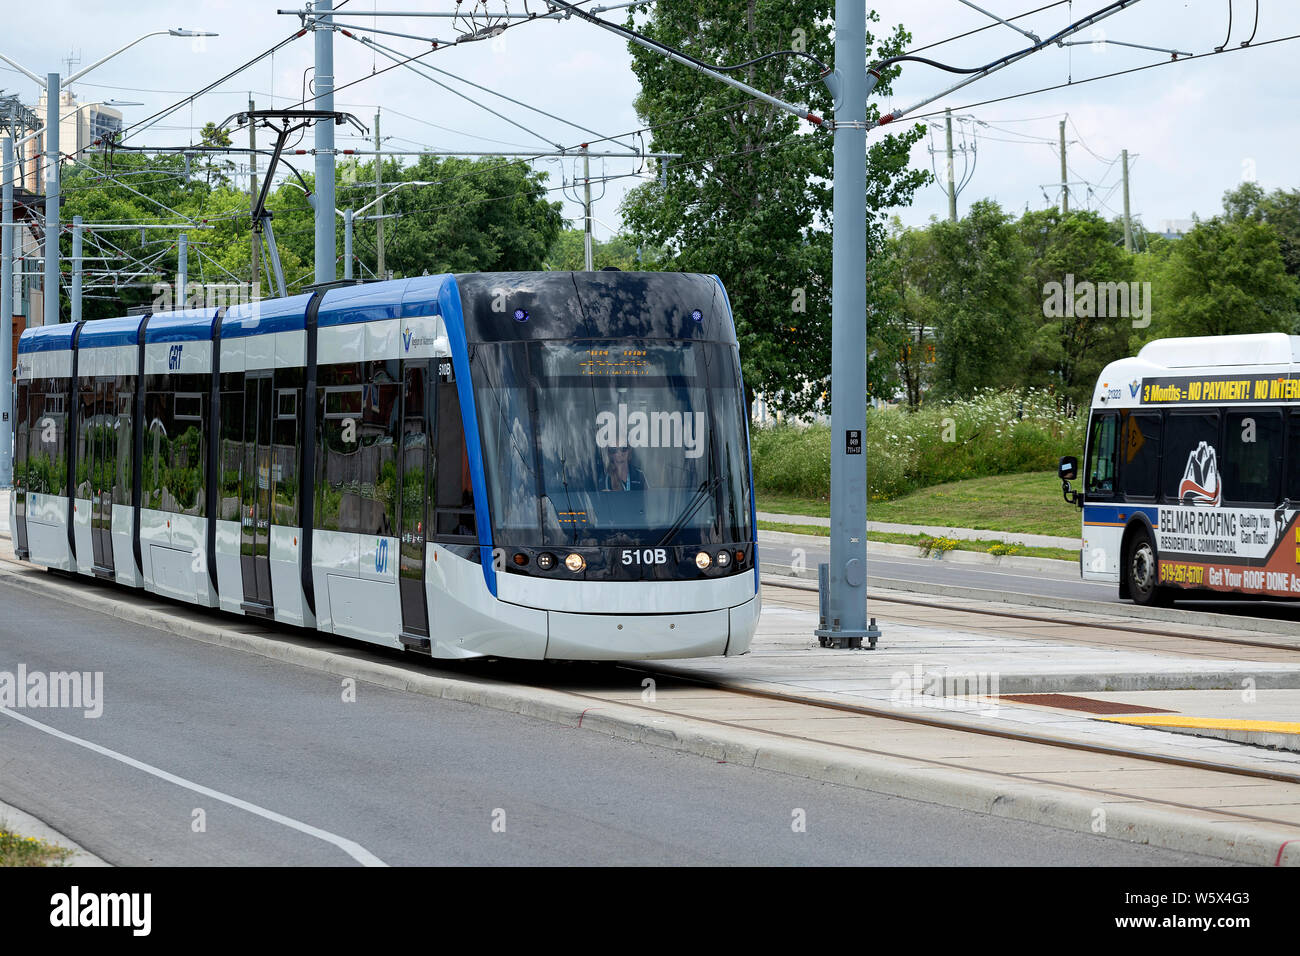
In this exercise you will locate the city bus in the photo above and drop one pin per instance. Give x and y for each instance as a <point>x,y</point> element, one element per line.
<point>1191,475</point>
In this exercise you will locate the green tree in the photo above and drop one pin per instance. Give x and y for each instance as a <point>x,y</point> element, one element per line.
<point>1280,209</point>
<point>750,199</point>
<point>1068,351</point>
<point>906,281</point>
<point>620,251</point>
<point>1225,277</point>
<point>981,328</point>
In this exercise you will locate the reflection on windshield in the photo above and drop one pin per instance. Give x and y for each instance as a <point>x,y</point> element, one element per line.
<point>613,443</point>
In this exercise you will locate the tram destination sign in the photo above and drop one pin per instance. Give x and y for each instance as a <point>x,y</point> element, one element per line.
<point>1219,389</point>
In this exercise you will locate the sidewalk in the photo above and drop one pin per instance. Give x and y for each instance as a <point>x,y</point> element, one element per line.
<point>964,534</point>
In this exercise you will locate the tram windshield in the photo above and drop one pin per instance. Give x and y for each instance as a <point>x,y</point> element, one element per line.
<point>605,443</point>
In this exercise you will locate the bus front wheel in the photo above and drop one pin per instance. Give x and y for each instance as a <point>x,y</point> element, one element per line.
<point>1142,571</point>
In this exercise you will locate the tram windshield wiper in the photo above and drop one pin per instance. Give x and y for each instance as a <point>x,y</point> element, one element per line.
<point>701,495</point>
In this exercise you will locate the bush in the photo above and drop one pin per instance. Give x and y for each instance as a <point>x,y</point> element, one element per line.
<point>992,433</point>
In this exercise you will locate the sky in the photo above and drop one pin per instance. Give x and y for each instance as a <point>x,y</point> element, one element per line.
<point>1194,128</point>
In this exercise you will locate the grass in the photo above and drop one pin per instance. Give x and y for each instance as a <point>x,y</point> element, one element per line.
<point>1021,504</point>
<point>16,850</point>
<point>919,541</point>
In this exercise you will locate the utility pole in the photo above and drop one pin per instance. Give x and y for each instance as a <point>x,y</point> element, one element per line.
<point>76,269</point>
<point>182,270</point>
<point>1065,183</point>
<point>347,243</point>
<point>843,582</point>
<point>7,314</point>
<point>324,138</point>
<point>51,284</point>
<point>586,207</point>
<point>255,241</point>
<point>379,205</point>
<point>1128,220</point>
<point>952,189</point>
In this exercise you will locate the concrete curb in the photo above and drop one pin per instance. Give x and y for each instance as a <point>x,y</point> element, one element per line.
<point>948,531</point>
<point>1050,565</point>
<point>24,824</point>
<point>1257,844</point>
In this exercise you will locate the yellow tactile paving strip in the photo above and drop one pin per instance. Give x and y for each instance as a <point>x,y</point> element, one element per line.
<point>1210,723</point>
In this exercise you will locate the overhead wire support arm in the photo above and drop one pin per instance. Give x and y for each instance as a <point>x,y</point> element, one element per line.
<point>979,72</point>
<point>717,73</point>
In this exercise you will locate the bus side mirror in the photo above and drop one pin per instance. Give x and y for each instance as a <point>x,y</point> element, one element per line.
<point>1069,470</point>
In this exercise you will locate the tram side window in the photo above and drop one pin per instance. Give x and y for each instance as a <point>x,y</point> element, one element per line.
<point>230,458</point>
<point>1139,453</point>
<point>1252,457</point>
<point>87,435</point>
<point>454,492</point>
<point>1191,468</point>
<point>339,397</point>
<point>174,444</point>
<point>47,419</point>
<point>1102,453</point>
<point>379,436</point>
<point>122,443</point>
<point>285,430</point>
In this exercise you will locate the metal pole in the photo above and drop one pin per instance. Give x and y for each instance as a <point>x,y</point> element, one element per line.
<point>7,316</point>
<point>586,208</point>
<point>76,268</point>
<point>324,137</point>
<point>255,242</point>
<point>51,288</point>
<point>1065,182</point>
<point>952,189</point>
<point>347,243</point>
<point>843,606</point>
<point>182,270</point>
<point>379,205</point>
<point>1128,220</point>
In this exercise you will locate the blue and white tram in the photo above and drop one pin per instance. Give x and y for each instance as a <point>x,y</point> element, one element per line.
<point>524,465</point>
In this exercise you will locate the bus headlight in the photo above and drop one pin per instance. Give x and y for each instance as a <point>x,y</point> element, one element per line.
<point>546,560</point>
<point>575,562</point>
<point>702,560</point>
<point>723,558</point>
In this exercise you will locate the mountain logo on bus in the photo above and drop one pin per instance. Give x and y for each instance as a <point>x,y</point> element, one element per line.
<point>1200,484</point>
<point>406,339</point>
<point>1133,387</point>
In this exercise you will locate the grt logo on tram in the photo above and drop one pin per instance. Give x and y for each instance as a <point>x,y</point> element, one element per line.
<point>249,458</point>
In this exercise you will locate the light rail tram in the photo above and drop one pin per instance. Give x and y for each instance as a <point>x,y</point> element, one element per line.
<point>525,465</point>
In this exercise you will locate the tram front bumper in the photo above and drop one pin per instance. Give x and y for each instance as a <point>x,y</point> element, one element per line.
<point>603,637</point>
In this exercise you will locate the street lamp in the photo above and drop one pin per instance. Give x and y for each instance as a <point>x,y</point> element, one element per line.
<point>52,84</point>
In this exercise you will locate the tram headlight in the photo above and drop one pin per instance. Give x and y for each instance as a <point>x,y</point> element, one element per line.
<point>723,559</point>
<point>546,560</point>
<point>702,560</point>
<point>575,562</point>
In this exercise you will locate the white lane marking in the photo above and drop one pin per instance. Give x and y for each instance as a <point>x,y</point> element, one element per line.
<point>351,848</point>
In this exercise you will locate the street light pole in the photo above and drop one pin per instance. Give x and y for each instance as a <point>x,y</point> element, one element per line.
<point>50,289</point>
<point>7,315</point>
<point>843,582</point>
<point>75,297</point>
<point>324,136</point>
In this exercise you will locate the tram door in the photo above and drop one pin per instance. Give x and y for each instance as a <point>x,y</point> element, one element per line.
<point>415,460</point>
<point>256,493</point>
<point>101,442</point>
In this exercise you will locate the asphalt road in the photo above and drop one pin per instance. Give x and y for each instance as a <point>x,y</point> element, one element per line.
<point>408,779</point>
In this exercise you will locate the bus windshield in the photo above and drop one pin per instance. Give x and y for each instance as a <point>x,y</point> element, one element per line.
<point>613,443</point>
